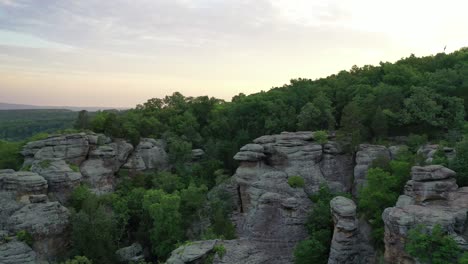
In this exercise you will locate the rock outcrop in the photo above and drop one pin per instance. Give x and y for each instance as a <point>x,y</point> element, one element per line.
<point>130,254</point>
<point>428,152</point>
<point>22,183</point>
<point>269,214</point>
<point>48,223</point>
<point>61,179</point>
<point>150,154</point>
<point>103,163</point>
<point>72,148</point>
<point>351,242</point>
<point>16,252</point>
<point>431,197</point>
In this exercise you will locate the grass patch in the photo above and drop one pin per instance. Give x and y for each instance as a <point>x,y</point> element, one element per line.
<point>296,182</point>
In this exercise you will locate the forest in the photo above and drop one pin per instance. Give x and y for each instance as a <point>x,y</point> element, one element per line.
<point>420,99</point>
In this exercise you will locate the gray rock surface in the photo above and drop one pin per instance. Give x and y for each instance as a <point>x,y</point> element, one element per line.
<point>22,183</point>
<point>431,197</point>
<point>269,215</point>
<point>131,253</point>
<point>16,252</point>
<point>347,245</point>
<point>61,179</point>
<point>192,252</point>
<point>103,162</point>
<point>150,154</point>
<point>48,223</point>
<point>72,148</point>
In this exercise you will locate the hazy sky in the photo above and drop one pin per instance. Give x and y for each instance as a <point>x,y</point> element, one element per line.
<point>123,52</point>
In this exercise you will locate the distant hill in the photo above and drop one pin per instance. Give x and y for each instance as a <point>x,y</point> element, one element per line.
<point>8,106</point>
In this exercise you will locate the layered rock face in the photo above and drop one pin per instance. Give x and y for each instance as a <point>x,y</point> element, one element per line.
<point>351,242</point>
<point>48,224</point>
<point>103,163</point>
<point>148,155</point>
<point>269,213</point>
<point>16,252</point>
<point>431,197</point>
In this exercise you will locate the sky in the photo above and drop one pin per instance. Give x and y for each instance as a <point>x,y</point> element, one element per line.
<point>122,52</point>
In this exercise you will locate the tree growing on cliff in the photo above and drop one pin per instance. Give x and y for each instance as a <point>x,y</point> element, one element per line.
<point>432,247</point>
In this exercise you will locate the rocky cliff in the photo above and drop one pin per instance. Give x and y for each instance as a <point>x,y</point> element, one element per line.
<point>33,200</point>
<point>270,214</point>
<point>431,197</point>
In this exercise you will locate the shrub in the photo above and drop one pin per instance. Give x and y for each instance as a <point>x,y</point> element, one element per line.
<point>74,167</point>
<point>220,250</point>
<point>321,137</point>
<point>459,163</point>
<point>310,251</point>
<point>78,260</point>
<point>296,182</point>
<point>25,237</point>
<point>26,168</point>
<point>434,247</point>
<point>44,164</point>
<point>78,196</point>
<point>416,141</point>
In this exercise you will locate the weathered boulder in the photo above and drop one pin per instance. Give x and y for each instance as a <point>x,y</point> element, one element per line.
<point>428,152</point>
<point>150,154</point>
<point>99,170</point>
<point>364,158</point>
<point>432,182</point>
<point>22,183</point>
<point>431,198</point>
<point>72,148</point>
<point>61,178</point>
<point>132,253</point>
<point>8,205</point>
<point>344,247</point>
<point>193,252</point>
<point>48,223</point>
<point>16,252</point>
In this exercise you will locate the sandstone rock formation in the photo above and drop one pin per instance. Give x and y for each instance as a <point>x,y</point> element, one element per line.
<point>48,223</point>
<point>269,214</point>
<point>431,197</point>
<point>103,162</point>
<point>72,148</point>
<point>130,254</point>
<point>22,183</point>
<point>351,242</point>
<point>16,252</point>
<point>150,154</point>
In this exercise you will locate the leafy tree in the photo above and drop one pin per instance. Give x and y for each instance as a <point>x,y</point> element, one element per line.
<point>168,182</point>
<point>321,137</point>
<point>310,251</point>
<point>166,231</point>
<point>10,157</point>
<point>379,124</point>
<point>97,224</point>
<point>433,247</point>
<point>317,114</point>
<point>459,163</point>
<point>352,124</point>
<point>82,122</point>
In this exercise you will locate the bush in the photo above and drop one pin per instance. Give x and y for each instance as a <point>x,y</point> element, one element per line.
<point>416,141</point>
<point>78,196</point>
<point>74,167</point>
<point>45,164</point>
<point>78,260</point>
<point>434,247</point>
<point>220,250</point>
<point>319,227</point>
<point>296,182</point>
<point>321,137</point>
<point>25,237</point>
<point>10,158</point>
<point>459,163</point>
